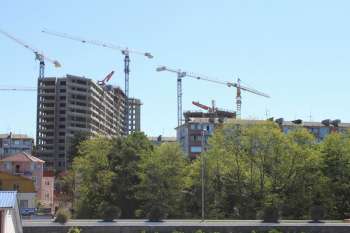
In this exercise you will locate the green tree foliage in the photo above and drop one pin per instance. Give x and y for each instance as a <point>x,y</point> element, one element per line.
<point>251,166</point>
<point>336,167</point>
<point>162,178</point>
<point>74,143</point>
<point>106,171</point>
<point>124,158</point>
<point>93,176</point>
<point>248,169</point>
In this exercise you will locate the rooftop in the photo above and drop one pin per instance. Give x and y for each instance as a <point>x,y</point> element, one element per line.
<point>290,123</point>
<point>162,139</point>
<point>8,199</point>
<point>14,136</point>
<point>22,157</point>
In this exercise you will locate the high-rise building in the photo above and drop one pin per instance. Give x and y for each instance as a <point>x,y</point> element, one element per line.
<point>13,143</point>
<point>134,115</point>
<point>73,104</point>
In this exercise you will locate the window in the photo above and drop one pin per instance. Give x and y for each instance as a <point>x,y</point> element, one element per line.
<point>34,179</point>
<point>8,165</point>
<point>196,149</point>
<point>17,168</point>
<point>16,187</point>
<point>23,204</point>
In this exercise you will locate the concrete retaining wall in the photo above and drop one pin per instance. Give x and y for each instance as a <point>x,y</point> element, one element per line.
<point>189,228</point>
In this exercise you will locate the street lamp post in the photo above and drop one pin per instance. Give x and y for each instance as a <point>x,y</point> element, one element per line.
<point>202,174</point>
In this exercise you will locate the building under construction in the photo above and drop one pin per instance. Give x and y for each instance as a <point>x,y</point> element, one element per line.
<point>134,115</point>
<point>73,104</point>
<point>193,134</point>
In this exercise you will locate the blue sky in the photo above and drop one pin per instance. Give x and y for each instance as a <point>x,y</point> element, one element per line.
<point>296,51</point>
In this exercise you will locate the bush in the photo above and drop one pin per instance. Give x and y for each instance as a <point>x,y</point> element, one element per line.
<point>62,216</point>
<point>109,212</point>
<point>74,230</point>
<point>317,213</point>
<point>156,213</point>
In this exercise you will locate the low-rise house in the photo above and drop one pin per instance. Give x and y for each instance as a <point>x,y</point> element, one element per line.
<point>10,219</point>
<point>24,186</point>
<point>47,194</point>
<point>25,165</point>
<point>13,143</point>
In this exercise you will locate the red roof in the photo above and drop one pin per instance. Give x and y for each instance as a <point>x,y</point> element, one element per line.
<point>22,157</point>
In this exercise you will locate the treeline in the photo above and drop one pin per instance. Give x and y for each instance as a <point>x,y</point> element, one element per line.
<point>247,168</point>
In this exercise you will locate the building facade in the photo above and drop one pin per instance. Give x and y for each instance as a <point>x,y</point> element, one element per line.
<point>13,143</point>
<point>10,220</point>
<point>134,115</point>
<point>193,134</point>
<point>47,190</point>
<point>161,139</point>
<point>74,104</point>
<point>319,129</point>
<point>190,134</point>
<point>24,186</point>
<point>23,167</point>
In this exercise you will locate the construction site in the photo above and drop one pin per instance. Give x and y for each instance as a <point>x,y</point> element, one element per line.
<point>76,104</point>
<point>71,104</point>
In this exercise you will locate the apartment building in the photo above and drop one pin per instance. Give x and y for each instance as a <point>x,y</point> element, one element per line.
<point>74,104</point>
<point>190,134</point>
<point>11,143</point>
<point>193,134</point>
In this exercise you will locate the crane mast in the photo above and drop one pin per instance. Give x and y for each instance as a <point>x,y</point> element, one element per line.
<point>181,74</point>
<point>125,52</point>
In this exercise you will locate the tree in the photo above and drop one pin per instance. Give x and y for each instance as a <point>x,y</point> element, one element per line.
<point>303,179</point>
<point>74,143</point>
<point>93,176</point>
<point>106,171</point>
<point>249,167</point>
<point>162,178</point>
<point>336,167</point>
<point>124,158</point>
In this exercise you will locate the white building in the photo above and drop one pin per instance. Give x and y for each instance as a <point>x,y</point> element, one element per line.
<point>10,220</point>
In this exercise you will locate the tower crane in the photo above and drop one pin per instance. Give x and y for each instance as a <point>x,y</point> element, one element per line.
<point>18,89</point>
<point>38,55</point>
<point>125,52</point>
<point>205,107</point>
<point>181,74</point>
<point>104,81</point>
